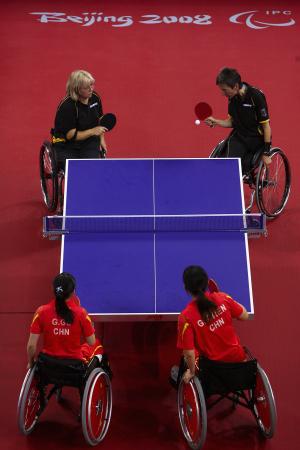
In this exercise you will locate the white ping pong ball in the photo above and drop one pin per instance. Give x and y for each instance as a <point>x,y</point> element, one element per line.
<point>197,122</point>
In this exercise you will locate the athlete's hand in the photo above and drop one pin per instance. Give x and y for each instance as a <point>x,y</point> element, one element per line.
<point>30,365</point>
<point>266,160</point>
<point>98,131</point>
<point>210,121</point>
<point>187,376</point>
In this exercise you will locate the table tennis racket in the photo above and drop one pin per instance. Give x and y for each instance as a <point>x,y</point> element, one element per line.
<point>108,121</point>
<point>212,286</point>
<point>203,110</point>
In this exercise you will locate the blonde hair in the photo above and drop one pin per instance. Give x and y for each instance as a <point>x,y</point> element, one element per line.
<point>75,82</point>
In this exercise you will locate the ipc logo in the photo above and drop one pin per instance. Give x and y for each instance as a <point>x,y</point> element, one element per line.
<point>250,19</point>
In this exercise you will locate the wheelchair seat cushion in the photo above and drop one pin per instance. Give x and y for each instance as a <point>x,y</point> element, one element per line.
<point>61,371</point>
<point>221,378</point>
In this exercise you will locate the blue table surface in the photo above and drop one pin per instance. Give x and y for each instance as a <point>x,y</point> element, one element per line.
<point>141,273</point>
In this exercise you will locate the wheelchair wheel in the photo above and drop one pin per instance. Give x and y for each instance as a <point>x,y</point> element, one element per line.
<point>192,412</point>
<point>48,176</point>
<point>264,404</point>
<point>29,404</point>
<point>273,184</point>
<point>96,406</point>
<point>219,150</point>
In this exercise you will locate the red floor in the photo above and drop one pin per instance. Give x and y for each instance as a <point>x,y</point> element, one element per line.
<point>151,76</point>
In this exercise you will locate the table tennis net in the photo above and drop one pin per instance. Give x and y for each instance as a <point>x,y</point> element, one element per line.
<point>245,223</point>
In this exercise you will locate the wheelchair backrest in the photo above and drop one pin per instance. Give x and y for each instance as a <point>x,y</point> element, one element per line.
<point>221,378</point>
<point>60,371</point>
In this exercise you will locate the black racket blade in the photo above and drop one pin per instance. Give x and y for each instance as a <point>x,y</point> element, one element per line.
<point>108,121</point>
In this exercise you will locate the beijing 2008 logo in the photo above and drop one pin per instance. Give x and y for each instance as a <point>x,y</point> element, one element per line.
<point>250,19</point>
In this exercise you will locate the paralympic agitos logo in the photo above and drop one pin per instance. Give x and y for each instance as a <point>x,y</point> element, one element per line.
<point>253,19</point>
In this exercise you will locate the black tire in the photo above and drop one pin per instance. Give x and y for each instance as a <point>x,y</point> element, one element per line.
<point>29,404</point>
<point>264,404</point>
<point>192,412</point>
<point>96,406</point>
<point>48,176</point>
<point>273,184</point>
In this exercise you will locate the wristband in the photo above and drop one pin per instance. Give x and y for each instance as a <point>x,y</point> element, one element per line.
<point>267,148</point>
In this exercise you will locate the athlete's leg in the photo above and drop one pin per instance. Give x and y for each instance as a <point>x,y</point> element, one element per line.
<point>236,148</point>
<point>63,152</point>
<point>90,149</point>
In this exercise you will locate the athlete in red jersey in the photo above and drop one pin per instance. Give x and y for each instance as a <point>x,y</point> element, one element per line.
<point>205,325</point>
<point>63,323</point>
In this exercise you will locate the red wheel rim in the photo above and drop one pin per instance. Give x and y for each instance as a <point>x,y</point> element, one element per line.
<point>191,411</point>
<point>32,405</point>
<point>97,407</point>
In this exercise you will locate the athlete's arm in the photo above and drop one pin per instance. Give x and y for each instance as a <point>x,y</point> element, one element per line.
<point>31,348</point>
<point>82,135</point>
<point>189,356</point>
<point>91,340</point>
<point>212,122</point>
<point>267,132</point>
<point>244,315</point>
<point>267,140</point>
<point>102,142</point>
<point>237,310</point>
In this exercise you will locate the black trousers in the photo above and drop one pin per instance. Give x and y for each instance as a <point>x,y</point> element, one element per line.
<point>89,149</point>
<point>244,148</point>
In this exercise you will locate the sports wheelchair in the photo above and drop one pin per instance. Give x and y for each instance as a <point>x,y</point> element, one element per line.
<point>270,185</point>
<point>49,375</point>
<point>243,383</point>
<point>52,177</point>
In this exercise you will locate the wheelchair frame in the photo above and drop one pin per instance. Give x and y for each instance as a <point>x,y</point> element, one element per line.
<point>263,180</point>
<point>94,385</point>
<point>192,404</point>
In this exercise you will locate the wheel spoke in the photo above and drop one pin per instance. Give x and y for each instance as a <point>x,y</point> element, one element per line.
<point>29,404</point>
<point>96,407</point>
<point>192,413</point>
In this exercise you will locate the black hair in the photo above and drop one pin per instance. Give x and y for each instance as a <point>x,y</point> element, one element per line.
<point>230,77</point>
<point>64,285</point>
<point>195,281</point>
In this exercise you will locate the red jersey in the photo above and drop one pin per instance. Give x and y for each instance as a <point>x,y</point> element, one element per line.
<point>60,338</point>
<point>216,339</point>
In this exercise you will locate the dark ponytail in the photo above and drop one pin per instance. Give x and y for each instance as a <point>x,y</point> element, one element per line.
<point>63,286</point>
<point>195,281</point>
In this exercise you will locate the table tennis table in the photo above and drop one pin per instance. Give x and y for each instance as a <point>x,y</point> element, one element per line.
<point>138,276</point>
